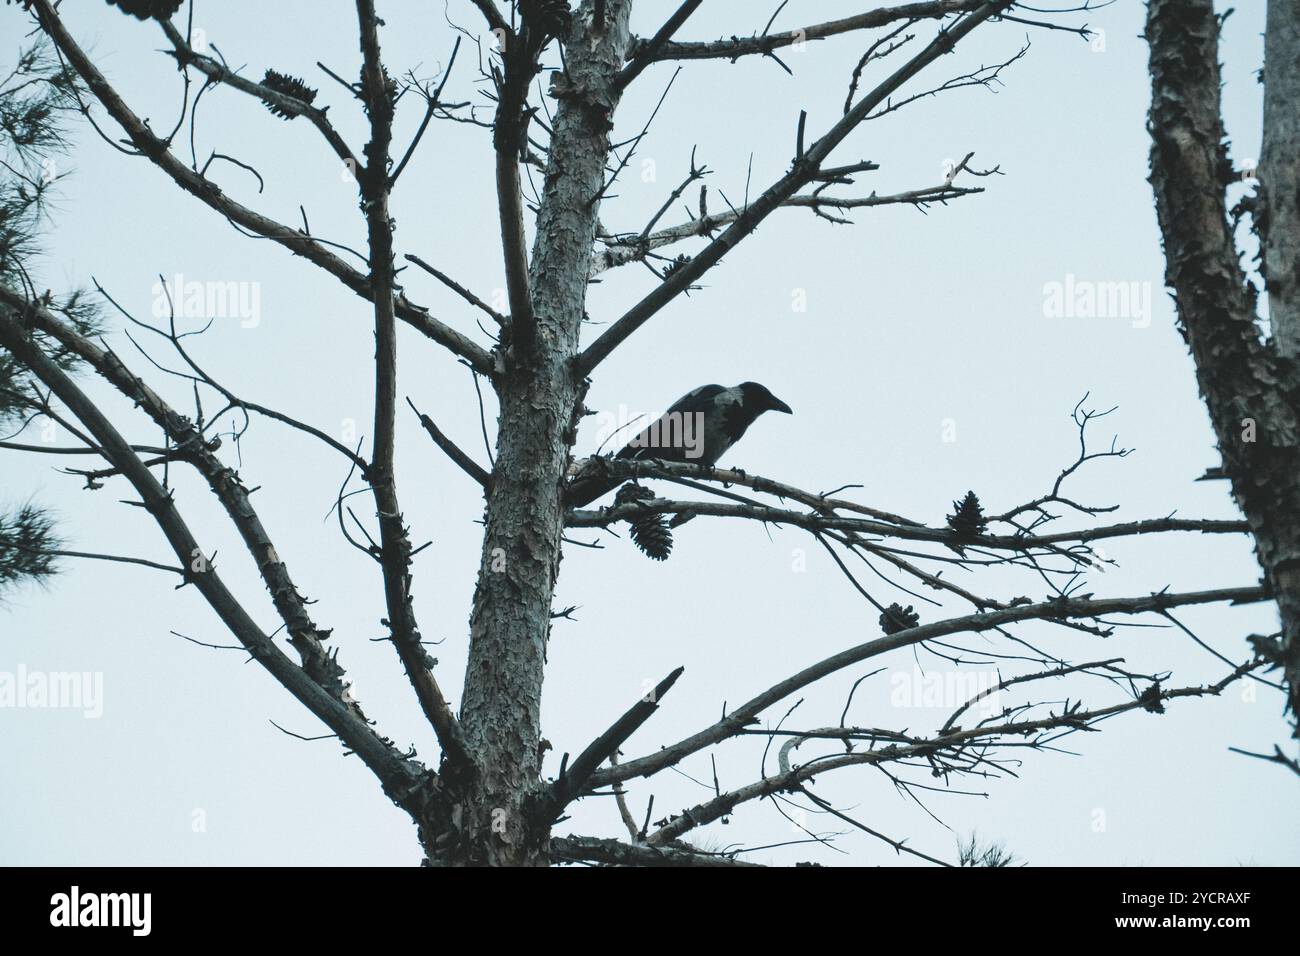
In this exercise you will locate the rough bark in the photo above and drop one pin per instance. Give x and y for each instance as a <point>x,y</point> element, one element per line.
<point>540,395</point>
<point>1252,391</point>
<point>395,544</point>
<point>487,803</point>
<point>1279,173</point>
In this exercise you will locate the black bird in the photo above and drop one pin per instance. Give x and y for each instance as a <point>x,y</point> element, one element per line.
<point>698,428</point>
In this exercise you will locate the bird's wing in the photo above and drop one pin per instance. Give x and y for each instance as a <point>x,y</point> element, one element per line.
<point>727,424</point>
<point>698,401</point>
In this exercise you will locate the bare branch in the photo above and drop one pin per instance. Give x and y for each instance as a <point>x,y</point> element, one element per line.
<point>956,740</point>
<point>820,522</point>
<point>574,849</point>
<point>460,290</point>
<point>395,545</point>
<point>743,716</point>
<point>495,21</point>
<point>217,72</point>
<point>572,782</point>
<point>452,450</point>
<point>188,442</point>
<point>115,558</point>
<point>642,54</point>
<point>620,250</point>
<point>432,105</point>
<point>403,779</point>
<point>1277,756</point>
<point>294,240</point>
<point>802,171</point>
<point>736,47</point>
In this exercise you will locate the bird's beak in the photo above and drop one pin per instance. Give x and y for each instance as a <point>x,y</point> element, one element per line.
<point>780,406</point>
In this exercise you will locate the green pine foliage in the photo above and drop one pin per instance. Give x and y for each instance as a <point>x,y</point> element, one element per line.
<point>26,540</point>
<point>36,94</point>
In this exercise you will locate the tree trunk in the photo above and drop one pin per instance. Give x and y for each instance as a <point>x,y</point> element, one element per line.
<point>1279,173</point>
<point>540,399</point>
<point>1251,388</point>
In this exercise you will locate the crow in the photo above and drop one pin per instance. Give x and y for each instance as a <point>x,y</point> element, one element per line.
<point>698,428</point>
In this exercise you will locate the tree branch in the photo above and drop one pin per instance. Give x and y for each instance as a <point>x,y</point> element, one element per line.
<point>642,55</point>
<point>572,782</point>
<point>288,105</point>
<point>403,779</point>
<point>204,189</point>
<point>395,544</point>
<point>829,522</point>
<point>495,21</point>
<point>803,171</point>
<point>620,250</point>
<point>736,47</point>
<point>452,450</point>
<point>188,443</point>
<point>747,713</point>
<point>460,290</point>
<point>957,739</point>
<point>576,849</point>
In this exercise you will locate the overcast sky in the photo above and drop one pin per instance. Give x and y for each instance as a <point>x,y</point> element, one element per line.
<point>886,337</point>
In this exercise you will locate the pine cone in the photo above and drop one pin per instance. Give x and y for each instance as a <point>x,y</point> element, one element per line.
<point>968,518</point>
<point>144,9</point>
<point>650,532</point>
<point>288,86</point>
<point>897,618</point>
<point>1150,700</point>
<point>674,266</point>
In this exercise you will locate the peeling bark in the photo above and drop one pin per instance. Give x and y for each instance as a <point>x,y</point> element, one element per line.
<point>1279,173</point>
<point>486,803</point>
<point>1251,389</point>
<point>540,397</point>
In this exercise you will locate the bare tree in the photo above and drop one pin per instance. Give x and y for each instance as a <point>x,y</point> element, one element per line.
<point>489,799</point>
<point>1249,379</point>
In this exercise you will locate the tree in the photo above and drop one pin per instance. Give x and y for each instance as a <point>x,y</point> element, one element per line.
<point>32,99</point>
<point>489,800</point>
<point>1249,380</point>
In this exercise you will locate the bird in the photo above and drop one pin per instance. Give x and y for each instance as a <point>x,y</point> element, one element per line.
<point>697,429</point>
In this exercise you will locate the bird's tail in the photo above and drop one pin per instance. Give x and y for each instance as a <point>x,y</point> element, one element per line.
<point>589,480</point>
<point>582,490</point>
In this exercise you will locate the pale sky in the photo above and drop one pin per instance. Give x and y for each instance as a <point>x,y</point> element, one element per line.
<point>881,336</point>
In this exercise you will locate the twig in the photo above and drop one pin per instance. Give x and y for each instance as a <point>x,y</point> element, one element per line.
<point>452,450</point>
